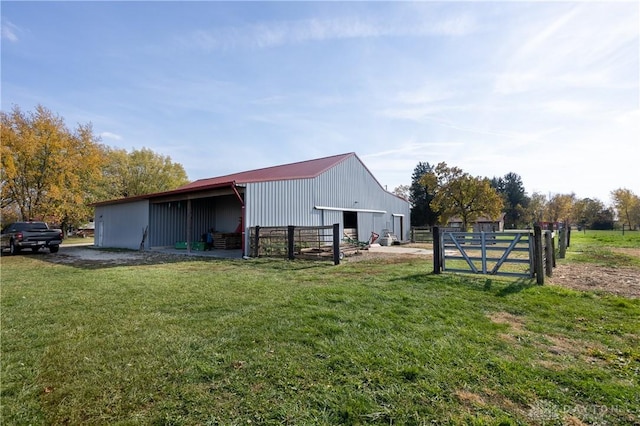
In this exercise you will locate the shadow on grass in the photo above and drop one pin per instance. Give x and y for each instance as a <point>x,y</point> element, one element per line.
<point>474,282</point>
<point>516,287</point>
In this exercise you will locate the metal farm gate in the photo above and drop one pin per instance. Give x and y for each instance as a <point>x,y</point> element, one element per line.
<point>493,253</point>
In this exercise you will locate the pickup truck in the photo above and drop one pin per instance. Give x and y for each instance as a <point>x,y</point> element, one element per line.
<point>34,235</point>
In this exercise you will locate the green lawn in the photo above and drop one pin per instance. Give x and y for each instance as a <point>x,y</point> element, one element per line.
<point>605,247</point>
<point>206,342</point>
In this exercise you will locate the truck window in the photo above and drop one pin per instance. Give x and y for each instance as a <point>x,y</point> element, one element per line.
<point>35,226</point>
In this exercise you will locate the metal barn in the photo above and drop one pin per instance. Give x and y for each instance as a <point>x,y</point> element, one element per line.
<point>337,189</point>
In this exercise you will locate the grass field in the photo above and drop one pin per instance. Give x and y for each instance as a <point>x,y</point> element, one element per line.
<point>207,342</point>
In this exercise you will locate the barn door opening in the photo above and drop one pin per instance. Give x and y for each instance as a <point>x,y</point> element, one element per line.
<point>350,223</point>
<point>398,226</point>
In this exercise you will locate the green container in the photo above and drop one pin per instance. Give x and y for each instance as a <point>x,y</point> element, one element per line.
<point>181,245</point>
<point>199,246</point>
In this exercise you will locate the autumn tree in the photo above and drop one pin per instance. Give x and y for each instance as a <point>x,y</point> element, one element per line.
<point>535,211</point>
<point>48,171</point>
<point>627,204</point>
<point>402,191</point>
<point>420,197</point>
<point>127,174</point>
<point>459,194</point>
<point>560,208</point>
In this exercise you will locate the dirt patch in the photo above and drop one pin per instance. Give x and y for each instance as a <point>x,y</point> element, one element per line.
<point>87,257</point>
<point>515,322</point>
<point>584,276</point>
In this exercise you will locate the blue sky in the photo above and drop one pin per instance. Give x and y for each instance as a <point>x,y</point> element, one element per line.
<point>548,90</point>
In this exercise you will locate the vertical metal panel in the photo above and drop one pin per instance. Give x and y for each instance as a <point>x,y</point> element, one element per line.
<point>281,203</point>
<point>168,223</point>
<point>228,211</point>
<point>122,225</point>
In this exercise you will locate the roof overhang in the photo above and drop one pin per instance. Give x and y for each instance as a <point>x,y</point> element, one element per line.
<point>214,190</point>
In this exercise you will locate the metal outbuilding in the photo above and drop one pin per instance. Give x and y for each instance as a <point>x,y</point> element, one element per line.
<point>337,189</point>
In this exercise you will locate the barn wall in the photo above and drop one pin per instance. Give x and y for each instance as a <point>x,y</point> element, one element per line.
<point>121,225</point>
<point>350,186</point>
<point>281,203</point>
<point>228,211</point>
<point>167,223</point>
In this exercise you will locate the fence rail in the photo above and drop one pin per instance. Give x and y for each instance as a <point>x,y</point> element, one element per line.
<point>421,234</point>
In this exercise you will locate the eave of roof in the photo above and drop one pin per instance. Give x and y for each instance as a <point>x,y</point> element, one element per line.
<point>181,190</point>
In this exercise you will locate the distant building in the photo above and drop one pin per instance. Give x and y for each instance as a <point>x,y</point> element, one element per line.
<point>482,224</point>
<point>337,189</point>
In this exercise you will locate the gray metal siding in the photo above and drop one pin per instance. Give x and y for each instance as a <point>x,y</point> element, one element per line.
<point>228,211</point>
<point>281,203</point>
<point>121,225</point>
<point>350,186</point>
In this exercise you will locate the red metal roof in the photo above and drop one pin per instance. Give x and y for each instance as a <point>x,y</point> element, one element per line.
<point>301,170</point>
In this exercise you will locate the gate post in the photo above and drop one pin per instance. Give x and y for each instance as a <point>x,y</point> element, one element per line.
<point>538,266</point>
<point>548,253</point>
<point>256,242</point>
<point>562,242</point>
<point>437,260</point>
<point>336,243</point>
<point>290,241</point>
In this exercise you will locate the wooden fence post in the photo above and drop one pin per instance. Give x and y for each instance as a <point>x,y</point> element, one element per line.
<point>537,254</point>
<point>548,253</point>
<point>256,242</point>
<point>553,245</point>
<point>437,260</point>
<point>562,242</point>
<point>290,241</point>
<point>336,243</point>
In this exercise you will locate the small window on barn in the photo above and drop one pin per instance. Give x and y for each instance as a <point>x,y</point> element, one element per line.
<point>350,219</point>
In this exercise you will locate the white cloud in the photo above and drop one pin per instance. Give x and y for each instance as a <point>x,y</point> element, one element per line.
<point>278,33</point>
<point>109,135</point>
<point>578,49</point>
<point>9,31</point>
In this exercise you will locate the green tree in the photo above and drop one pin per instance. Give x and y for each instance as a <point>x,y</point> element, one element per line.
<point>459,194</point>
<point>511,189</point>
<point>48,171</point>
<point>139,172</point>
<point>627,204</point>
<point>420,197</point>
<point>592,214</point>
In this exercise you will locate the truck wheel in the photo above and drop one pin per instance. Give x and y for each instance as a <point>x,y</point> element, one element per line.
<point>54,249</point>
<point>13,249</point>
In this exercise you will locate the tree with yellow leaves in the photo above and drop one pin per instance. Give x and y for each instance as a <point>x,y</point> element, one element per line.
<point>48,171</point>
<point>627,205</point>
<point>457,193</point>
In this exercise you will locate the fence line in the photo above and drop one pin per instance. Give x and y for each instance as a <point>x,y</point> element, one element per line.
<point>308,242</point>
